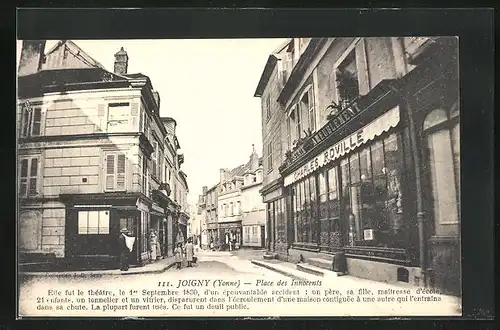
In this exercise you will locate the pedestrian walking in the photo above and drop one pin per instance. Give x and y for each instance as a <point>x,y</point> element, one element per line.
<point>189,248</point>
<point>125,246</point>
<point>178,255</point>
<point>212,244</point>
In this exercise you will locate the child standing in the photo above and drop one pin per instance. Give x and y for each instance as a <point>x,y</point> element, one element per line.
<point>178,255</point>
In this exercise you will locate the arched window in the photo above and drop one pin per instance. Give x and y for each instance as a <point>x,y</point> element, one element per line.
<point>442,134</point>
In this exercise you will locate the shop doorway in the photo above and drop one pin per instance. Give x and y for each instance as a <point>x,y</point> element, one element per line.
<point>329,210</point>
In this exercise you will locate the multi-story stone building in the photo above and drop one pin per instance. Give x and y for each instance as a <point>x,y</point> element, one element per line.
<point>361,156</point>
<point>202,213</point>
<point>93,156</point>
<point>212,216</point>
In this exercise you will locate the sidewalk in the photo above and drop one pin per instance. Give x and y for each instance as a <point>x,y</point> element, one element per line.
<point>153,268</point>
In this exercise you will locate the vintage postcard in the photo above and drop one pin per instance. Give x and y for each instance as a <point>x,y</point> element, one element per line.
<point>239,177</point>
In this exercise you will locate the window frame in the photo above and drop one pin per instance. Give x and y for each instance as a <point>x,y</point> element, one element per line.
<point>116,173</point>
<point>447,125</point>
<point>29,176</point>
<point>268,107</point>
<point>341,60</point>
<point>98,222</point>
<point>28,112</point>
<point>128,123</point>
<point>269,157</point>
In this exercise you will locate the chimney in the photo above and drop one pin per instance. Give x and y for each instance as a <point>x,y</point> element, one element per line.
<point>121,62</point>
<point>254,160</point>
<point>222,175</point>
<point>204,190</point>
<point>32,54</point>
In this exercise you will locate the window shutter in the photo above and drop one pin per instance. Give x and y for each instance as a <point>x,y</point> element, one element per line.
<point>101,110</point>
<point>110,172</point>
<point>24,176</point>
<point>33,176</point>
<point>37,121</point>
<point>141,121</point>
<point>120,172</point>
<point>134,110</point>
<point>25,122</point>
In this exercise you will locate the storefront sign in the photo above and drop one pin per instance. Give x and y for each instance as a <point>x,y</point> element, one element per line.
<point>368,234</point>
<point>345,146</point>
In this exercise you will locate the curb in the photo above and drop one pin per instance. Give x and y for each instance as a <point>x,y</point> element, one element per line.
<point>96,273</point>
<point>279,270</point>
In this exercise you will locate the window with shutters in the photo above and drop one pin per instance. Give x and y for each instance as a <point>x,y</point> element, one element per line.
<point>269,157</point>
<point>118,117</point>
<point>154,159</point>
<point>161,177</point>
<point>31,121</point>
<point>307,107</point>
<point>115,172</point>
<point>144,183</point>
<point>29,176</point>
<point>268,107</point>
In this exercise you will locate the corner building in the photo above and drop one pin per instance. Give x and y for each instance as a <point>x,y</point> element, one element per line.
<point>94,156</point>
<point>361,156</point>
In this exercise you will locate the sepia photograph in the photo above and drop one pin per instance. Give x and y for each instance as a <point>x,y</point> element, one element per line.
<point>301,176</point>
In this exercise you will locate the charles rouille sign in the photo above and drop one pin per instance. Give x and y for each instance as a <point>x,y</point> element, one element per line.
<point>345,146</point>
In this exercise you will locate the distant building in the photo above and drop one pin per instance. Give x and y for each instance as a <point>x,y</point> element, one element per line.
<point>202,213</point>
<point>212,220</point>
<point>236,187</point>
<point>253,208</point>
<point>93,158</point>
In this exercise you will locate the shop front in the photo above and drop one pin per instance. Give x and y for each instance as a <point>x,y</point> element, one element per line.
<point>432,90</point>
<point>230,232</point>
<point>352,191</point>
<point>182,227</point>
<point>212,235</point>
<point>93,224</point>
<point>157,233</point>
<point>275,233</point>
<point>254,229</point>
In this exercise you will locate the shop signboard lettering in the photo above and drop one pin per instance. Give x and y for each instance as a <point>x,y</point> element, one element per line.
<point>346,145</point>
<point>368,234</point>
<point>337,150</point>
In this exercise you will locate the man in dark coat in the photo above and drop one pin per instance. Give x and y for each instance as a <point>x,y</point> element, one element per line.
<point>123,250</point>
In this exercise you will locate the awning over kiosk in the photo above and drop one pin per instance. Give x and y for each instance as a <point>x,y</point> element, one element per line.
<point>363,135</point>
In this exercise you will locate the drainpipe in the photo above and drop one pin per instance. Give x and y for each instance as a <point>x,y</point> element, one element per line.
<point>418,184</point>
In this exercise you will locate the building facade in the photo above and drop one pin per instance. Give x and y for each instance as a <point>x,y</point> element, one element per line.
<point>91,157</point>
<point>252,207</point>
<point>212,217</point>
<point>202,214</point>
<point>367,127</point>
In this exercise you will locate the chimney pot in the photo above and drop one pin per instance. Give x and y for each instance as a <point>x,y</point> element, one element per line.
<point>121,62</point>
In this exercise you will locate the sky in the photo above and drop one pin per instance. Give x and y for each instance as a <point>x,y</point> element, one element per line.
<point>207,86</point>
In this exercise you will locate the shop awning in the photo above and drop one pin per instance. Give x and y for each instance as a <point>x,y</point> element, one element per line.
<point>254,218</point>
<point>345,146</point>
